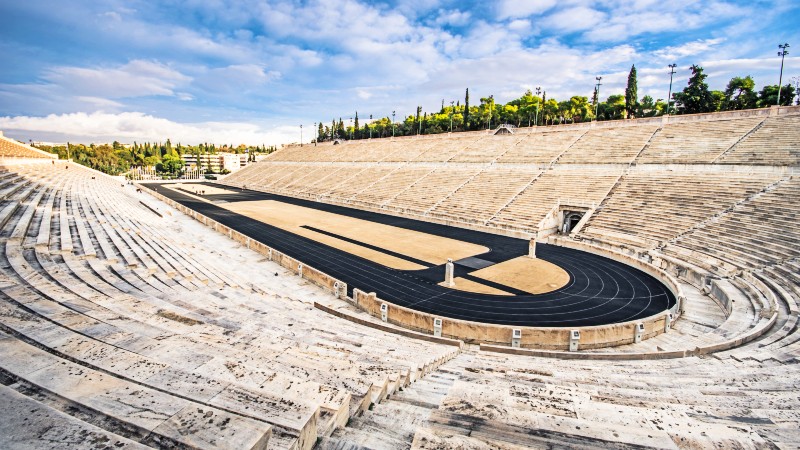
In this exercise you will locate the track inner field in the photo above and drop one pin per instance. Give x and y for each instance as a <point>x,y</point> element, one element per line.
<point>600,291</point>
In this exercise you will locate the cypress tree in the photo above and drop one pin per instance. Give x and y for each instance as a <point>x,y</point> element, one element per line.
<point>631,94</point>
<point>466,111</point>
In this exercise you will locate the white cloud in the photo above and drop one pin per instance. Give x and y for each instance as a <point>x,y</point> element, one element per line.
<point>135,79</point>
<point>688,49</point>
<point>237,78</point>
<point>136,126</point>
<point>575,19</point>
<point>453,17</point>
<point>512,9</point>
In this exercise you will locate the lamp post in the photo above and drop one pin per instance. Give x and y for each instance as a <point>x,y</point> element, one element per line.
<point>782,54</point>
<point>669,93</point>
<point>351,128</point>
<point>301,135</point>
<point>393,124</point>
<point>313,131</point>
<point>370,126</point>
<point>597,89</point>
<point>490,104</point>
<point>538,104</point>
<point>452,110</point>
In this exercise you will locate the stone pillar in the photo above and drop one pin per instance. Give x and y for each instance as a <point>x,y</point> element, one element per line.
<point>532,248</point>
<point>448,273</point>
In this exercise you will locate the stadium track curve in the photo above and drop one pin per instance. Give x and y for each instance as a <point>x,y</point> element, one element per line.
<point>600,290</point>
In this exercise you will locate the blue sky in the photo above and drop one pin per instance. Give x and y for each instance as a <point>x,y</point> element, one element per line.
<point>247,71</point>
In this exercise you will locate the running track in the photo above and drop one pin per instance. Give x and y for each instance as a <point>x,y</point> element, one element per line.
<point>600,291</point>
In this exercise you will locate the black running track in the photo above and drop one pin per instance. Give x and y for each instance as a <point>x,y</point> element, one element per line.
<point>600,291</point>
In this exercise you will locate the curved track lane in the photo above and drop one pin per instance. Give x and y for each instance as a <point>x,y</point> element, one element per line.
<point>600,291</point>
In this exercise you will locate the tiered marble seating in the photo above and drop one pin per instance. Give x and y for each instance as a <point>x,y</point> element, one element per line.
<point>121,310</point>
<point>10,148</point>
<point>657,206</point>
<point>426,192</point>
<point>487,148</point>
<point>609,146</point>
<point>541,147</point>
<point>483,196</point>
<point>584,185</point>
<point>756,233</point>
<point>497,401</point>
<point>775,143</point>
<point>393,184</point>
<point>696,142</point>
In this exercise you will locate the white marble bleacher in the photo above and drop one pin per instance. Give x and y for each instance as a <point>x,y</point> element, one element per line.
<point>609,145</point>
<point>774,143</point>
<point>756,233</point>
<point>428,191</point>
<point>541,147</point>
<point>9,148</point>
<point>487,148</point>
<point>699,142</point>
<point>484,195</point>
<point>652,207</point>
<point>73,287</point>
<point>586,184</point>
<point>497,400</point>
<point>385,188</point>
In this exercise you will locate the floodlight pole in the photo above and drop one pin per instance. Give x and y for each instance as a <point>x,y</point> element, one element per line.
<point>393,124</point>
<point>370,126</point>
<point>782,54</point>
<point>597,89</point>
<point>301,135</point>
<point>314,130</point>
<point>669,93</point>
<point>539,104</point>
<point>491,107</point>
<point>452,110</point>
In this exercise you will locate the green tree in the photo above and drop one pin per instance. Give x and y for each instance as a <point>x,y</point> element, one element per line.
<point>170,163</point>
<point>466,111</point>
<point>631,95</point>
<point>768,96</point>
<point>740,94</point>
<point>695,98</point>
<point>647,107</point>
<point>717,100</point>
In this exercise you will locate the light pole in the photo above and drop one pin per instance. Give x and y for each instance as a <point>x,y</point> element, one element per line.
<point>351,128</point>
<point>301,135</point>
<point>597,90</point>
<point>452,110</point>
<point>314,130</point>
<point>393,124</point>
<point>669,93</point>
<point>782,54</point>
<point>490,104</point>
<point>370,126</point>
<point>538,104</point>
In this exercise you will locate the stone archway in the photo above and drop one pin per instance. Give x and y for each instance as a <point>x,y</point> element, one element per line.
<point>571,220</point>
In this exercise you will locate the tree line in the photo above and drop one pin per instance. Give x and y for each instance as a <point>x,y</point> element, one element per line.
<point>116,158</point>
<point>537,109</point>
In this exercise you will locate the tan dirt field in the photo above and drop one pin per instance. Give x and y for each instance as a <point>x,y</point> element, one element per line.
<point>422,246</point>
<point>531,275</point>
<point>462,284</point>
